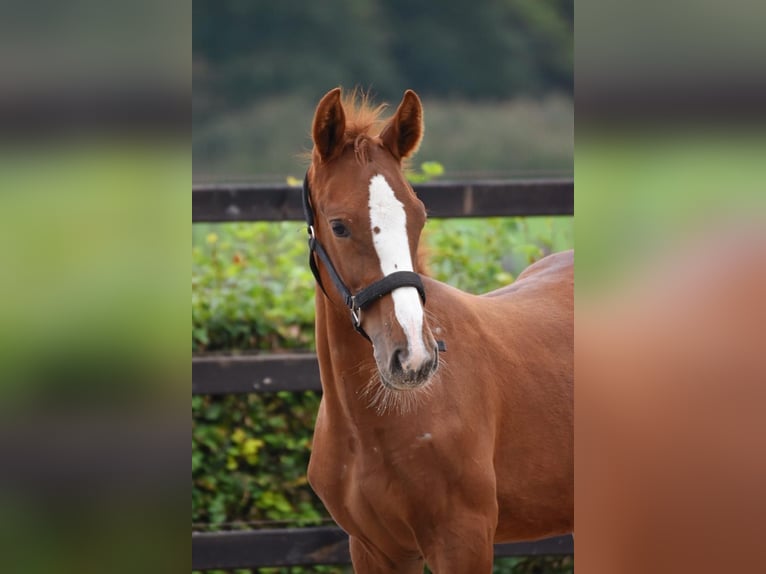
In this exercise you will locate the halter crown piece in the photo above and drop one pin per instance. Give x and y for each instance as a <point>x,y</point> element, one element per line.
<point>356,302</point>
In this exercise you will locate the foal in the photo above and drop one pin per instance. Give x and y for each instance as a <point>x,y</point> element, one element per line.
<point>422,456</point>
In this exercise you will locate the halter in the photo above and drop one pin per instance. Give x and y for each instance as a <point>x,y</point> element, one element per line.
<point>367,296</point>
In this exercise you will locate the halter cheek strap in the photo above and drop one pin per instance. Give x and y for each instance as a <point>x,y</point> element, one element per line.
<point>367,296</point>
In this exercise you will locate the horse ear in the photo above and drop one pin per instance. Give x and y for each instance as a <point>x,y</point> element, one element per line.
<point>329,125</point>
<point>404,131</point>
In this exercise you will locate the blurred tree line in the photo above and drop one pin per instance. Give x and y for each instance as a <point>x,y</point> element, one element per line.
<point>483,50</point>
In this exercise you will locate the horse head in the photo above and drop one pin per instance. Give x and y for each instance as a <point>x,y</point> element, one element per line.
<point>367,220</point>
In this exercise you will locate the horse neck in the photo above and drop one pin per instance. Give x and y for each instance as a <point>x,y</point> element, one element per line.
<point>346,361</point>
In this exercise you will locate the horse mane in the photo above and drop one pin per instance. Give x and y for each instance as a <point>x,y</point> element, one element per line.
<point>363,121</point>
<point>362,116</point>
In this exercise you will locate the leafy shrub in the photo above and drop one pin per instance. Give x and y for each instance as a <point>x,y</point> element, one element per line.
<point>479,255</point>
<point>249,458</point>
<point>251,287</point>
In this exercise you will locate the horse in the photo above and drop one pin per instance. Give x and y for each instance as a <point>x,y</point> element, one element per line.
<point>446,419</point>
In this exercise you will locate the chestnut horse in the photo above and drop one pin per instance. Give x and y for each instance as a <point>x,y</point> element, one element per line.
<point>422,456</point>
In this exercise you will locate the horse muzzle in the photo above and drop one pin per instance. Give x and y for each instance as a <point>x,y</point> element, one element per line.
<point>402,370</point>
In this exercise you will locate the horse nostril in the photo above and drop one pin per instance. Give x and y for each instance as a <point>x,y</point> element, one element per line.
<point>396,361</point>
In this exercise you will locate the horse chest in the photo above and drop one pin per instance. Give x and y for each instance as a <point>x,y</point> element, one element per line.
<point>363,484</point>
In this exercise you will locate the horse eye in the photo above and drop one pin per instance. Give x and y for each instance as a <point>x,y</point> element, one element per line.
<point>339,229</point>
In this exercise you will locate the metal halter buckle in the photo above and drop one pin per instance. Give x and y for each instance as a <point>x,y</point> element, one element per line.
<point>356,312</point>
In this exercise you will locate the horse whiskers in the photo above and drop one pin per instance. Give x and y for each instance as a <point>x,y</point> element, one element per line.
<point>371,391</point>
<point>444,365</point>
<point>386,400</point>
<point>364,366</point>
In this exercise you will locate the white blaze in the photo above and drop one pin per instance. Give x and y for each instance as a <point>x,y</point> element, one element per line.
<point>388,222</point>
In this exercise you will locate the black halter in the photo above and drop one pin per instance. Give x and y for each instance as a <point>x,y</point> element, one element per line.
<point>364,298</point>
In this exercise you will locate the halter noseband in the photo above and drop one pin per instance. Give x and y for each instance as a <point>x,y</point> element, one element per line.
<point>364,298</point>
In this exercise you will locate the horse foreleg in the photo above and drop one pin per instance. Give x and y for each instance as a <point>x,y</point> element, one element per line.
<point>462,551</point>
<point>368,560</point>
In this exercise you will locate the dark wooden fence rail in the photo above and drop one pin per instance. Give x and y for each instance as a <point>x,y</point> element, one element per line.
<point>315,545</point>
<point>254,202</point>
<point>241,374</point>
<point>237,374</point>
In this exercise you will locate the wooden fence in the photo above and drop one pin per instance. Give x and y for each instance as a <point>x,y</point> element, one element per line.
<point>215,375</point>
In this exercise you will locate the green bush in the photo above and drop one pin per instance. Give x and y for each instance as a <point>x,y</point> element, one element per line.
<point>251,287</point>
<point>480,255</point>
<point>252,290</point>
<point>249,457</point>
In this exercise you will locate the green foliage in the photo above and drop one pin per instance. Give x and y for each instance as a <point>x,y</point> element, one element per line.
<point>251,287</point>
<point>479,255</point>
<point>489,50</point>
<point>249,459</point>
<point>257,49</point>
<point>428,171</point>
